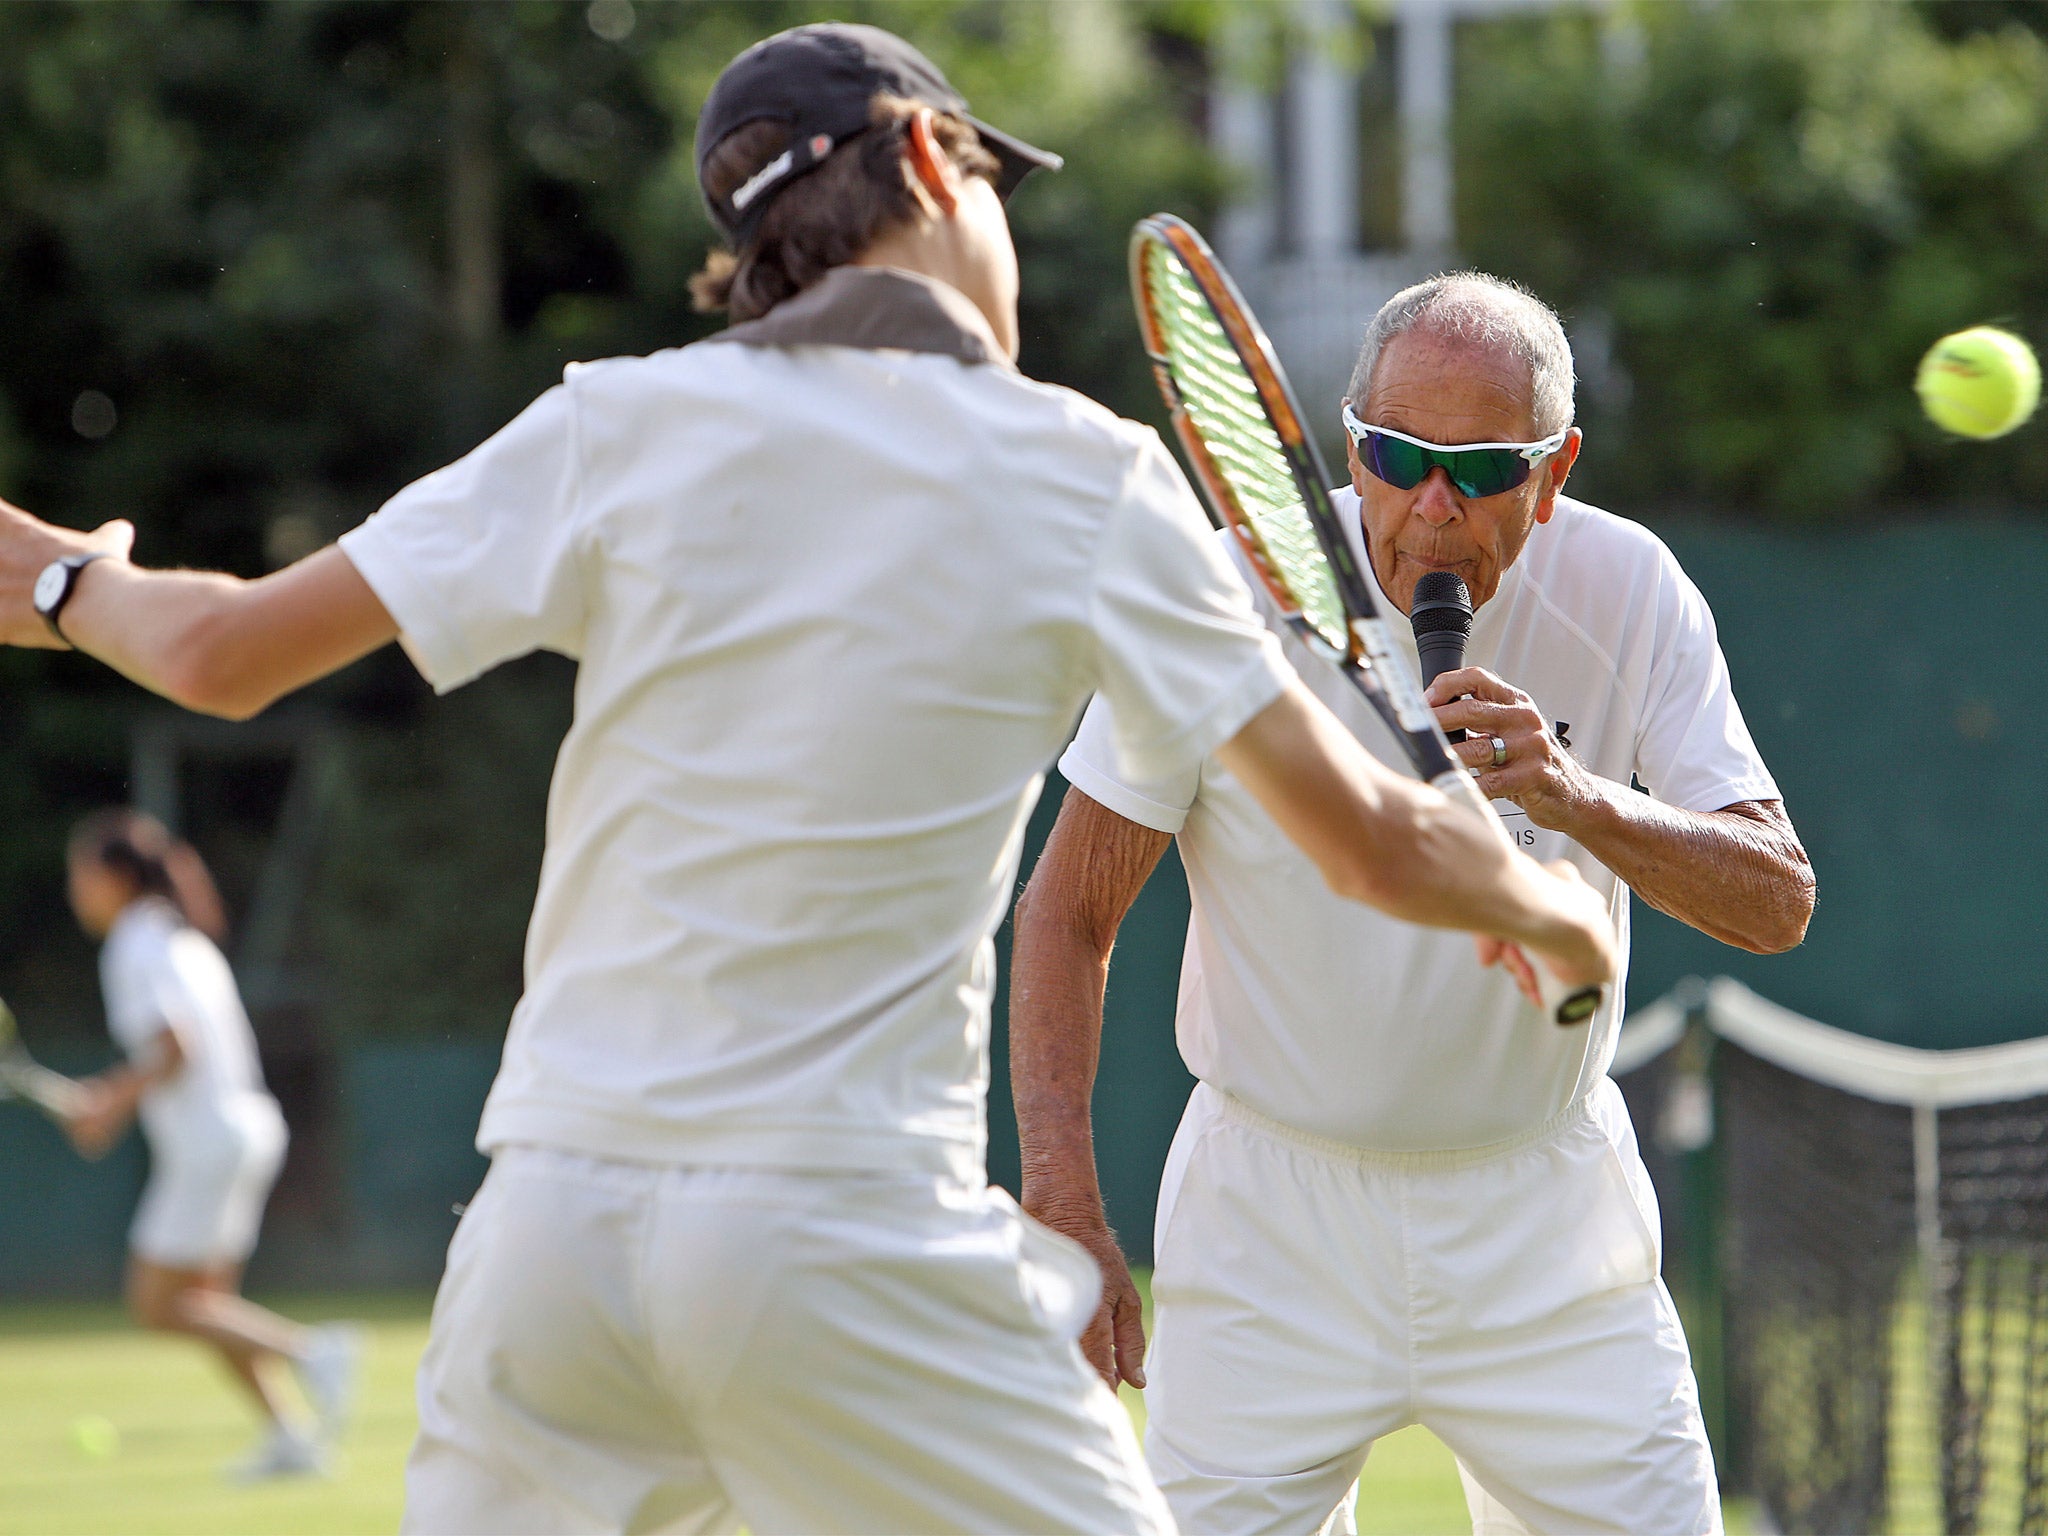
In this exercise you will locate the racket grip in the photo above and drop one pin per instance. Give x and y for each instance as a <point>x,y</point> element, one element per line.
<point>1564,1005</point>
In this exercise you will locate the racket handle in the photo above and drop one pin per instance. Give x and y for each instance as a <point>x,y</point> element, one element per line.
<point>1564,1005</point>
<point>56,1095</point>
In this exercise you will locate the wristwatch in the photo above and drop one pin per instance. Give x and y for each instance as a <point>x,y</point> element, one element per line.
<point>55,586</point>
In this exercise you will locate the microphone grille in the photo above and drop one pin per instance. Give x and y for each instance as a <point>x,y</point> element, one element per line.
<point>1442,604</point>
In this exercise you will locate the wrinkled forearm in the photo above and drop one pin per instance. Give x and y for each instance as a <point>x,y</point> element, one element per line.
<point>1738,874</point>
<point>1092,869</point>
<point>1056,993</point>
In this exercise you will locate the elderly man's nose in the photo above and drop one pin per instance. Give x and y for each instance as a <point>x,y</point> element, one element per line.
<point>1435,500</point>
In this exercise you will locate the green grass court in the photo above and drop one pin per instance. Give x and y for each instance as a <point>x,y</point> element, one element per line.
<point>179,1422</point>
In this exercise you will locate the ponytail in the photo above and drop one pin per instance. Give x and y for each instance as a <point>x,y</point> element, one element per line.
<point>138,847</point>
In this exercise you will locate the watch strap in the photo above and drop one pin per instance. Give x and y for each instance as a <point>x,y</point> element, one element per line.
<point>72,564</point>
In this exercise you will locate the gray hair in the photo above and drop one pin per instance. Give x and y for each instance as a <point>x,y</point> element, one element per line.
<point>1486,311</point>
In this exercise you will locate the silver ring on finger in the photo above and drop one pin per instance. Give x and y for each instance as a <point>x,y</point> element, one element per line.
<point>1500,752</point>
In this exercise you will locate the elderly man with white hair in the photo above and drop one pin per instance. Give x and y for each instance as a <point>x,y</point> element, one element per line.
<point>1399,1195</point>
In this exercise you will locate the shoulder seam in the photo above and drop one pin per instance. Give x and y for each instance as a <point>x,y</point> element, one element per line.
<point>1572,625</point>
<point>576,529</point>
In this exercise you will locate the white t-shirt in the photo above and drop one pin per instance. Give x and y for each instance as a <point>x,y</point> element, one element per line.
<point>158,973</point>
<point>838,604</point>
<point>1347,1024</point>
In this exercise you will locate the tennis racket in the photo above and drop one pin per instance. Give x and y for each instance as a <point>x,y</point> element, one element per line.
<point>1259,469</point>
<point>21,1078</point>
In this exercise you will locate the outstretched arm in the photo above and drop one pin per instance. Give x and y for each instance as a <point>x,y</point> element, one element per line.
<point>213,643</point>
<point>1093,867</point>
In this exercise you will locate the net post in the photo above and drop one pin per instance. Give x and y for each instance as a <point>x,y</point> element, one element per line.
<point>1700,1183</point>
<point>1933,1282</point>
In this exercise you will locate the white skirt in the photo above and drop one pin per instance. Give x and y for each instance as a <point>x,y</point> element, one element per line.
<point>207,1188</point>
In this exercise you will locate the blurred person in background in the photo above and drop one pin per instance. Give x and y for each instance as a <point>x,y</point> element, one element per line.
<point>216,1137</point>
<point>1400,1195</point>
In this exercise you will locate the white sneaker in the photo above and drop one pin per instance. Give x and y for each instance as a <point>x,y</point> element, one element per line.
<point>334,1352</point>
<point>284,1452</point>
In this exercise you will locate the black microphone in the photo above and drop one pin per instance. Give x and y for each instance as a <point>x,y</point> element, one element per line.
<point>1442,617</point>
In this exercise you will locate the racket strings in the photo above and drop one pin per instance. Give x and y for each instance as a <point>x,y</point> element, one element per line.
<point>1220,399</point>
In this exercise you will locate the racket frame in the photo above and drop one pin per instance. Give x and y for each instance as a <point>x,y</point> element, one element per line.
<point>1368,656</point>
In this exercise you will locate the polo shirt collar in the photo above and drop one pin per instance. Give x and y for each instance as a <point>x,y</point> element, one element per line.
<point>877,308</point>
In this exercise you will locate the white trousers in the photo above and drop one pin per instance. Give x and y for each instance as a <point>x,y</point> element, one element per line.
<point>634,1348</point>
<point>1312,1298</point>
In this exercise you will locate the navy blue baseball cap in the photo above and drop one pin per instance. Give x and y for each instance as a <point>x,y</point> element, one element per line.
<point>821,80</point>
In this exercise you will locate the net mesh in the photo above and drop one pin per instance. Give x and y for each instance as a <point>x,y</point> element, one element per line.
<point>1223,405</point>
<point>1821,1233</point>
<point>1884,1290</point>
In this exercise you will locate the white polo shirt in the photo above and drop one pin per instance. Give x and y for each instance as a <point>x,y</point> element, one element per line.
<point>158,973</point>
<point>840,582</point>
<point>1347,1024</point>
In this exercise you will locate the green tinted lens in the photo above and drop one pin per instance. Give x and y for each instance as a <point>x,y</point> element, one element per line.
<point>1402,465</point>
<point>1475,472</point>
<point>1485,471</point>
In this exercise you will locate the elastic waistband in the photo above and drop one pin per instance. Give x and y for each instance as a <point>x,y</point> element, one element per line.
<point>1579,1111</point>
<point>583,1164</point>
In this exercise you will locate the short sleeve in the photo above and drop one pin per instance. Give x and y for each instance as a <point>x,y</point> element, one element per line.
<point>1693,749</point>
<point>1092,766</point>
<point>477,562</point>
<point>1181,656</point>
<point>130,983</point>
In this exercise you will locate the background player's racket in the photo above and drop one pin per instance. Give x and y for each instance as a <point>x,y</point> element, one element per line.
<point>21,1078</point>
<point>1264,479</point>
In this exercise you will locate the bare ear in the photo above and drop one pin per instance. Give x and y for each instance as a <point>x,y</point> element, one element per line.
<point>1556,472</point>
<point>934,179</point>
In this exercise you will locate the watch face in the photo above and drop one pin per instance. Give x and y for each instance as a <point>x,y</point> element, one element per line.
<point>50,586</point>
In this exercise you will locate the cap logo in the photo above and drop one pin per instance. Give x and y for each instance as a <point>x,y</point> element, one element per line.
<point>821,145</point>
<point>762,179</point>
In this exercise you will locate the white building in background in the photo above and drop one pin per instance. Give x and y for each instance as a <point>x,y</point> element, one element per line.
<point>1303,93</point>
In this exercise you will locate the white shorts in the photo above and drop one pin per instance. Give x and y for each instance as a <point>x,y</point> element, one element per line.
<point>629,1347</point>
<point>204,1200</point>
<point>1312,1298</point>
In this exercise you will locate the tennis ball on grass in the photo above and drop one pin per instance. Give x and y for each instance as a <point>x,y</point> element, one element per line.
<point>95,1437</point>
<point>1979,383</point>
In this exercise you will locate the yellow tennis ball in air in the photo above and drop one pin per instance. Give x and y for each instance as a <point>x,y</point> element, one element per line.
<point>1979,383</point>
<point>95,1437</point>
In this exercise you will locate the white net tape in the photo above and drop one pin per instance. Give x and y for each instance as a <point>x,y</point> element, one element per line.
<point>1648,1033</point>
<point>1889,1074</point>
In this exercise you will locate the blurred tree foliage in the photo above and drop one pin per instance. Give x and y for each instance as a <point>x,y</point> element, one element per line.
<point>1757,217</point>
<point>263,263</point>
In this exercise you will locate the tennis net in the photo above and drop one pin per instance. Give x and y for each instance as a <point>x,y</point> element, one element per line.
<point>1880,1230</point>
